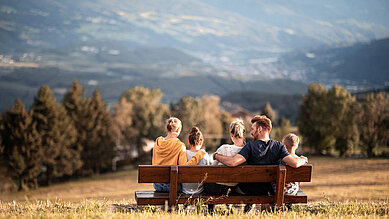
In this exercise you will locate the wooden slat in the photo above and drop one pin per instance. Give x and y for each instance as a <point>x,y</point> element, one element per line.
<point>188,174</point>
<point>300,197</point>
<point>280,185</point>
<point>153,174</point>
<point>301,174</point>
<point>159,198</point>
<point>173,185</point>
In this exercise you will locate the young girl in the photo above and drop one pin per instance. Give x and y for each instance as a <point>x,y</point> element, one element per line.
<point>170,150</point>
<point>291,142</point>
<point>195,140</point>
<point>237,134</point>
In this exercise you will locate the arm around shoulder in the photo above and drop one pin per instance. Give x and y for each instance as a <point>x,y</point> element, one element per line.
<point>294,161</point>
<point>230,161</point>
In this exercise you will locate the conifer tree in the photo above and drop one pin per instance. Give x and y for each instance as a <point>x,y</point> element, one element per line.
<point>98,149</point>
<point>76,106</point>
<point>210,120</point>
<point>21,145</point>
<point>57,135</point>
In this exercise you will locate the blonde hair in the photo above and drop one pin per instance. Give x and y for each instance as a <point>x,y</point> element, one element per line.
<point>262,121</point>
<point>290,140</point>
<point>195,136</point>
<point>173,124</point>
<point>237,129</point>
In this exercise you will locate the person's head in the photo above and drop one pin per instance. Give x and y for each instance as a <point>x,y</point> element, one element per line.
<point>237,129</point>
<point>195,137</point>
<point>173,125</point>
<point>261,127</point>
<point>291,142</point>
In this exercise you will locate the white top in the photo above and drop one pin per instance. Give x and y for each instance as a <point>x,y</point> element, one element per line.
<point>193,188</point>
<point>230,151</point>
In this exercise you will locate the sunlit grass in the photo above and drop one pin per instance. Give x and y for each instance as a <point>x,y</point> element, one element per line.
<point>110,209</point>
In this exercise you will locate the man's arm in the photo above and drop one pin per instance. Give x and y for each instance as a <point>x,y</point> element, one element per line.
<point>230,161</point>
<point>294,161</point>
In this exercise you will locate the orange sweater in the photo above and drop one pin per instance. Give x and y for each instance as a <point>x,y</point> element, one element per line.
<point>173,152</point>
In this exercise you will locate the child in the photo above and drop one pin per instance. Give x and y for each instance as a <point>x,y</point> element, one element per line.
<point>196,140</point>
<point>291,142</point>
<point>170,150</point>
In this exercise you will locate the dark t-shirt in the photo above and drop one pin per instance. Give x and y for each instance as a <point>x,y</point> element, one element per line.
<point>264,153</point>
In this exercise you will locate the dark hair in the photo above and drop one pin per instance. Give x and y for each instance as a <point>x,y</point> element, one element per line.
<point>173,124</point>
<point>195,136</point>
<point>262,121</point>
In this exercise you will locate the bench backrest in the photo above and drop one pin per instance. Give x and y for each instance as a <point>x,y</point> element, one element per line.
<point>196,174</point>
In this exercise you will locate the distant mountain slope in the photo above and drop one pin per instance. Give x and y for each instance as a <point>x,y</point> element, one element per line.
<point>362,64</point>
<point>24,83</point>
<point>228,28</point>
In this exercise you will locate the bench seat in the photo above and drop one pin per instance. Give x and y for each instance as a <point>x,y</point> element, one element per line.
<point>159,198</point>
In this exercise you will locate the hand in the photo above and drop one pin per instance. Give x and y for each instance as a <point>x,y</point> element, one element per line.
<point>305,158</point>
<point>213,156</point>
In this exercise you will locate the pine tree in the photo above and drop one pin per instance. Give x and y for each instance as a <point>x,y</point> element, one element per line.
<point>76,105</point>
<point>98,150</point>
<point>21,145</point>
<point>57,134</point>
<point>268,111</point>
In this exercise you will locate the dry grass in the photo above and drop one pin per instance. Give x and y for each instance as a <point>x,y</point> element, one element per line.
<point>333,179</point>
<point>340,188</point>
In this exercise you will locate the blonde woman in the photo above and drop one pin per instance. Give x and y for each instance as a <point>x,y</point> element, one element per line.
<point>237,135</point>
<point>170,150</point>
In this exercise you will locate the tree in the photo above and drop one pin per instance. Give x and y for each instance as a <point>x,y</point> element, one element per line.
<point>21,145</point>
<point>147,114</point>
<point>312,120</point>
<point>98,149</point>
<point>57,135</point>
<point>189,111</point>
<point>283,130</point>
<point>75,103</point>
<point>210,119</point>
<point>373,122</point>
<point>341,119</point>
<point>268,111</point>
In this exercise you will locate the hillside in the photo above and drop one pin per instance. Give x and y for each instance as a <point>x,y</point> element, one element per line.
<point>211,29</point>
<point>362,66</point>
<point>112,81</point>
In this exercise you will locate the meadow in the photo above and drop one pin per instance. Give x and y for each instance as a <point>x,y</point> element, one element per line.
<point>340,188</point>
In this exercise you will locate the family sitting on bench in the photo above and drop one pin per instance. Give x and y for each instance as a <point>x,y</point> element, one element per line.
<point>262,150</point>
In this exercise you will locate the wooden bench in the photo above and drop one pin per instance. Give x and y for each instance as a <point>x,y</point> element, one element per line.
<point>196,174</point>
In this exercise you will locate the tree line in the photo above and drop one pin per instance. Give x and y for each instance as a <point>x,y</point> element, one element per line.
<point>79,135</point>
<point>333,120</point>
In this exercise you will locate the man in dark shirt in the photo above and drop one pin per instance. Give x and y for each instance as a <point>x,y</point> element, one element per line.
<point>261,151</point>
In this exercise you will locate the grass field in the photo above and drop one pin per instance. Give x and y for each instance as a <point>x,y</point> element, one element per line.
<point>339,188</point>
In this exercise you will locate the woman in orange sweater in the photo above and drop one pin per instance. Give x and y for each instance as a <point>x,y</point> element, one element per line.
<point>170,150</point>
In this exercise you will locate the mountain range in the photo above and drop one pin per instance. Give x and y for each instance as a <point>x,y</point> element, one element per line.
<point>190,47</point>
